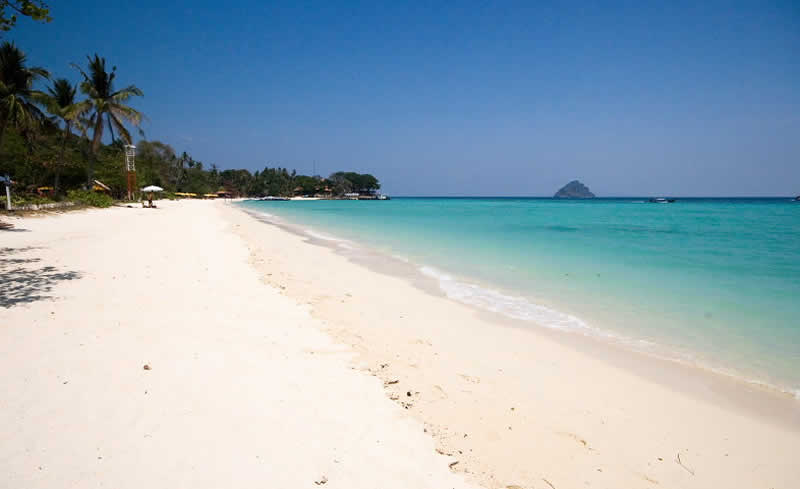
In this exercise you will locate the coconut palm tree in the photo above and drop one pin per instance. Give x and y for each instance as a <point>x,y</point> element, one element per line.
<point>105,105</point>
<point>17,96</point>
<point>60,103</point>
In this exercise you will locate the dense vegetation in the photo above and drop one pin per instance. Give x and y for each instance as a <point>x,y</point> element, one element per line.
<point>53,137</point>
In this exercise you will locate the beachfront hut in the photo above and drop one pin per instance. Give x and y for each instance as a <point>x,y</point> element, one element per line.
<point>209,196</point>
<point>324,193</point>
<point>45,191</point>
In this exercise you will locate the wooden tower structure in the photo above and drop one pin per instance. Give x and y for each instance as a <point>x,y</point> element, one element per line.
<point>130,169</point>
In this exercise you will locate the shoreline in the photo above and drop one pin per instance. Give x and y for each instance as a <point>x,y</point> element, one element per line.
<point>270,359</point>
<point>678,385</point>
<point>154,356</point>
<point>613,347</point>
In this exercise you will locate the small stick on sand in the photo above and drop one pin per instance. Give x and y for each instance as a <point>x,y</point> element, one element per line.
<point>549,484</point>
<point>678,459</point>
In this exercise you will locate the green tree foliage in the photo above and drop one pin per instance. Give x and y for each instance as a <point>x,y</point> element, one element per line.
<point>18,97</point>
<point>199,181</point>
<point>355,182</point>
<point>109,167</point>
<point>105,105</point>
<point>33,159</point>
<point>57,151</point>
<point>60,102</point>
<point>272,181</point>
<point>236,181</point>
<point>340,185</point>
<point>86,197</point>
<point>155,162</point>
<point>178,167</point>
<point>34,163</point>
<point>305,185</point>
<point>11,9</point>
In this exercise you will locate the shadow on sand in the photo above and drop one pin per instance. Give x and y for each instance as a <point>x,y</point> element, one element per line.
<point>7,227</point>
<point>21,282</point>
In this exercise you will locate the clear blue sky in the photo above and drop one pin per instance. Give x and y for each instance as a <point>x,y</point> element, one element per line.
<point>475,98</point>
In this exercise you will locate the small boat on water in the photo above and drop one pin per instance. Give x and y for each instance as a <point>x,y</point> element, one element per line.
<point>661,200</point>
<point>797,199</point>
<point>270,197</point>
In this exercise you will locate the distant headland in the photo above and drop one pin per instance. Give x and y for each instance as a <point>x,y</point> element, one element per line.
<point>574,190</point>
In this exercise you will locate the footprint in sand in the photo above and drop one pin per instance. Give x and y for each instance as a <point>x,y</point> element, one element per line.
<point>470,379</point>
<point>576,438</point>
<point>648,479</point>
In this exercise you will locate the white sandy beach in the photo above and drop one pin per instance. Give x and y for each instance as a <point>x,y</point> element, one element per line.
<point>243,389</point>
<point>275,362</point>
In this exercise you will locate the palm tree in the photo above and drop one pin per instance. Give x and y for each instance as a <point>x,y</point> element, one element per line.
<point>17,97</point>
<point>104,105</point>
<point>179,168</point>
<point>60,103</point>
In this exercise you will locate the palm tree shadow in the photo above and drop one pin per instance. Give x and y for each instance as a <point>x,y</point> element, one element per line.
<point>23,283</point>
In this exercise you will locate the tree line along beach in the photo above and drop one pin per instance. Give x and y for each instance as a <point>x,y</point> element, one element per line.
<point>205,283</point>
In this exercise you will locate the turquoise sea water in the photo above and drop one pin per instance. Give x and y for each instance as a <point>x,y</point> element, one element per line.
<point>710,281</point>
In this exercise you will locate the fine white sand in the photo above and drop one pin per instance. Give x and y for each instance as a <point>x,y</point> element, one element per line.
<point>243,389</point>
<point>267,355</point>
<point>523,407</point>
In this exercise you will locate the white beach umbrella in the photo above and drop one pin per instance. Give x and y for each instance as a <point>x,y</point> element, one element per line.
<point>152,188</point>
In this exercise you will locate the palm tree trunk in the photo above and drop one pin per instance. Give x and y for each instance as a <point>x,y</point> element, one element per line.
<point>61,159</point>
<point>110,128</point>
<point>3,124</point>
<point>98,136</point>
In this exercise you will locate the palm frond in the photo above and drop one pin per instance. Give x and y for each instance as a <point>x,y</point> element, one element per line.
<point>39,73</point>
<point>82,125</point>
<point>17,98</point>
<point>126,93</point>
<point>40,98</point>
<point>62,92</point>
<point>123,132</point>
<point>78,110</point>
<point>98,84</point>
<point>126,113</point>
<point>80,70</point>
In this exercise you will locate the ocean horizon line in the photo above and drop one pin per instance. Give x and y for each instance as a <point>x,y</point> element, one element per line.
<point>524,263</point>
<point>610,197</point>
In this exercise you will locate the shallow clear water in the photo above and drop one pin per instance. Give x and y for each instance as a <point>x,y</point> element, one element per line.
<point>713,281</point>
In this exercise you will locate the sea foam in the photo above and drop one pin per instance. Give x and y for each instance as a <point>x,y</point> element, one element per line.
<point>511,306</point>
<point>324,237</point>
<point>647,277</point>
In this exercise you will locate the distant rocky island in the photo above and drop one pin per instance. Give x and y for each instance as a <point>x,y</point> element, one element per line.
<point>574,190</point>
